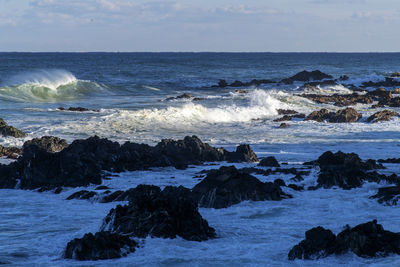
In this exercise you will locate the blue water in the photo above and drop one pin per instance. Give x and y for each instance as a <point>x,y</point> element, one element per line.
<point>130,90</point>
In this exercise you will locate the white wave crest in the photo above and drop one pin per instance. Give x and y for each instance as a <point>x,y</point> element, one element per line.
<point>45,85</point>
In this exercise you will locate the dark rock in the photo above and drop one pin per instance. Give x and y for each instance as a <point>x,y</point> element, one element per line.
<point>269,162</point>
<point>388,82</point>
<point>343,100</point>
<point>243,153</point>
<point>343,78</point>
<point>284,125</point>
<point>395,74</point>
<point>48,143</point>
<point>83,194</point>
<point>320,83</point>
<point>297,178</point>
<point>102,187</point>
<point>320,116</point>
<point>365,240</point>
<point>167,214</point>
<point>7,130</point>
<point>254,82</point>
<point>286,111</point>
<point>345,115</point>
<point>384,115</point>
<point>10,152</point>
<point>183,96</point>
<point>222,83</point>
<point>391,160</point>
<point>296,187</point>
<point>228,186</point>
<point>388,195</point>
<point>241,91</point>
<point>279,182</point>
<point>319,243</point>
<point>306,76</point>
<point>100,246</point>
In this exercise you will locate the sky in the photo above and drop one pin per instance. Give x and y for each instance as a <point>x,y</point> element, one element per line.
<point>202,25</point>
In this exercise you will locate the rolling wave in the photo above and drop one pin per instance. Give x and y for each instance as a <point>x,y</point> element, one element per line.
<point>46,86</point>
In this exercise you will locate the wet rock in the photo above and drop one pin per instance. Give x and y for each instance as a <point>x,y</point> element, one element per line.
<point>345,115</point>
<point>48,143</point>
<point>388,82</point>
<point>240,91</point>
<point>320,83</point>
<point>102,187</point>
<point>297,178</point>
<point>228,186</point>
<point>390,160</point>
<point>286,111</point>
<point>342,100</point>
<point>222,83</point>
<point>182,96</point>
<point>100,246</point>
<point>365,240</point>
<point>296,187</point>
<point>7,130</point>
<point>388,195</point>
<point>269,162</point>
<point>306,76</point>
<point>243,153</point>
<point>284,125</point>
<point>284,118</point>
<point>166,214</point>
<point>279,182</point>
<point>320,115</point>
<point>384,115</point>
<point>77,109</point>
<point>83,194</point>
<point>347,170</point>
<point>254,82</point>
<point>343,78</point>
<point>319,243</point>
<point>10,152</point>
<point>396,91</point>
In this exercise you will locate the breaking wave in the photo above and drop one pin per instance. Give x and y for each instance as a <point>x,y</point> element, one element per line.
<point>46,86</point>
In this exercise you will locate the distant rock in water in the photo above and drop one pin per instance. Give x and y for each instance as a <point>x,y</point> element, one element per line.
<point>83,162</point>
<point>347,170</point>
<point>100,246</point>
<point>269,162</point>
<point>7,130</point>
<point>384,115</point>
<point>77,109</point>
<point>341,116</point>
<point>228,186</point>
<point>254,82</point>
<point>48,143</point>
<point>389,195</point>
<point>306,76</point>
<point>183,96</point>
<point>167,214</point>
<point>365,240</point>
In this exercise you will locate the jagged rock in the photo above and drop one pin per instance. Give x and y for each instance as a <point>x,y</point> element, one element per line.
<point>306,76</point>
<point>48,143</point>
<point>269,162</point>
<point>83,162</point>
<point>319,243</point>
<point>228,186</point>
<point>83,194</point>
<point>100,246</point>
<point>390,160</point>
<point>388,82</point>
<point>384,115</point>
<point>167,214</point>
<point>284,125</point>
<point>347,170</point>
<point>320,115</point>
<point>286,111</point>
<point>345,115</point>
<point>183,96</point>
<point>279,182</point>
<point>7,130</point>
<point>388,195</point>
<point>365,240</point>
<point>284,118</point>
<point>10,152</point>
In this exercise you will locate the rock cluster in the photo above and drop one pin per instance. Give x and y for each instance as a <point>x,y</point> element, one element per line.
<point>7,130</point>
<point>365,240</point>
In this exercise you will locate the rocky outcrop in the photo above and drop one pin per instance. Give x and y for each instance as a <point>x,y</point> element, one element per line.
<point>341,116</point>
<point>388,82</point>
<point>389,195</point>
<point>365,240</point>
<point>48,143</point>
<point>167,214</point>
<point>83,162</point>
<point>384,115</point>
<point>100,246</point>
<point>228,186</point>
<point>77,109</point>
<point>10,152</point>
<point>254,82</point>
<point>347,170</point>
<point>269,162</point>
<point>182,96</point>
<point>306,76</point>
<point>7,130</point>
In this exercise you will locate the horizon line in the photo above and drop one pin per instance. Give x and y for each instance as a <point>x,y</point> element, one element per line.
<point>227,52</point>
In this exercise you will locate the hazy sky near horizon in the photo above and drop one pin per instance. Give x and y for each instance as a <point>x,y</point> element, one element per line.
<point>202,25</point>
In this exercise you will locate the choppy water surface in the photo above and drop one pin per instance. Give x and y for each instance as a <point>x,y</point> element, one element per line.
<point>130,92</point>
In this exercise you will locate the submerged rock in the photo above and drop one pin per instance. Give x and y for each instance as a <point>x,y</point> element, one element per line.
<point>167,214</point>
<point>77,109</point>
<point>7,130</point>
<point>306,76</point>
<point>100,246</point>
<point>228,186</point>
<point>48,143</point>
<point>254,82</point>
<point>365,240</point>
<point>182,96</point>
<point>389,195</point>
<point>269,162</point>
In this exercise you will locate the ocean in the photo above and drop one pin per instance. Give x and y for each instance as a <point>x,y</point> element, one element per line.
<point>127,95</point>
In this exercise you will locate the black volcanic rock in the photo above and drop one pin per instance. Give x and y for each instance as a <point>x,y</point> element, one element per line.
<point>269,162</point>
<point>167,214</point>
<point>365,240</point>
<point>100,246</point>
<point>341,116</point>
<point>48,143</point>
<point>228,186</point>
<point>7,130</point>
<point>389,195</point>
<point>306,76</point>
